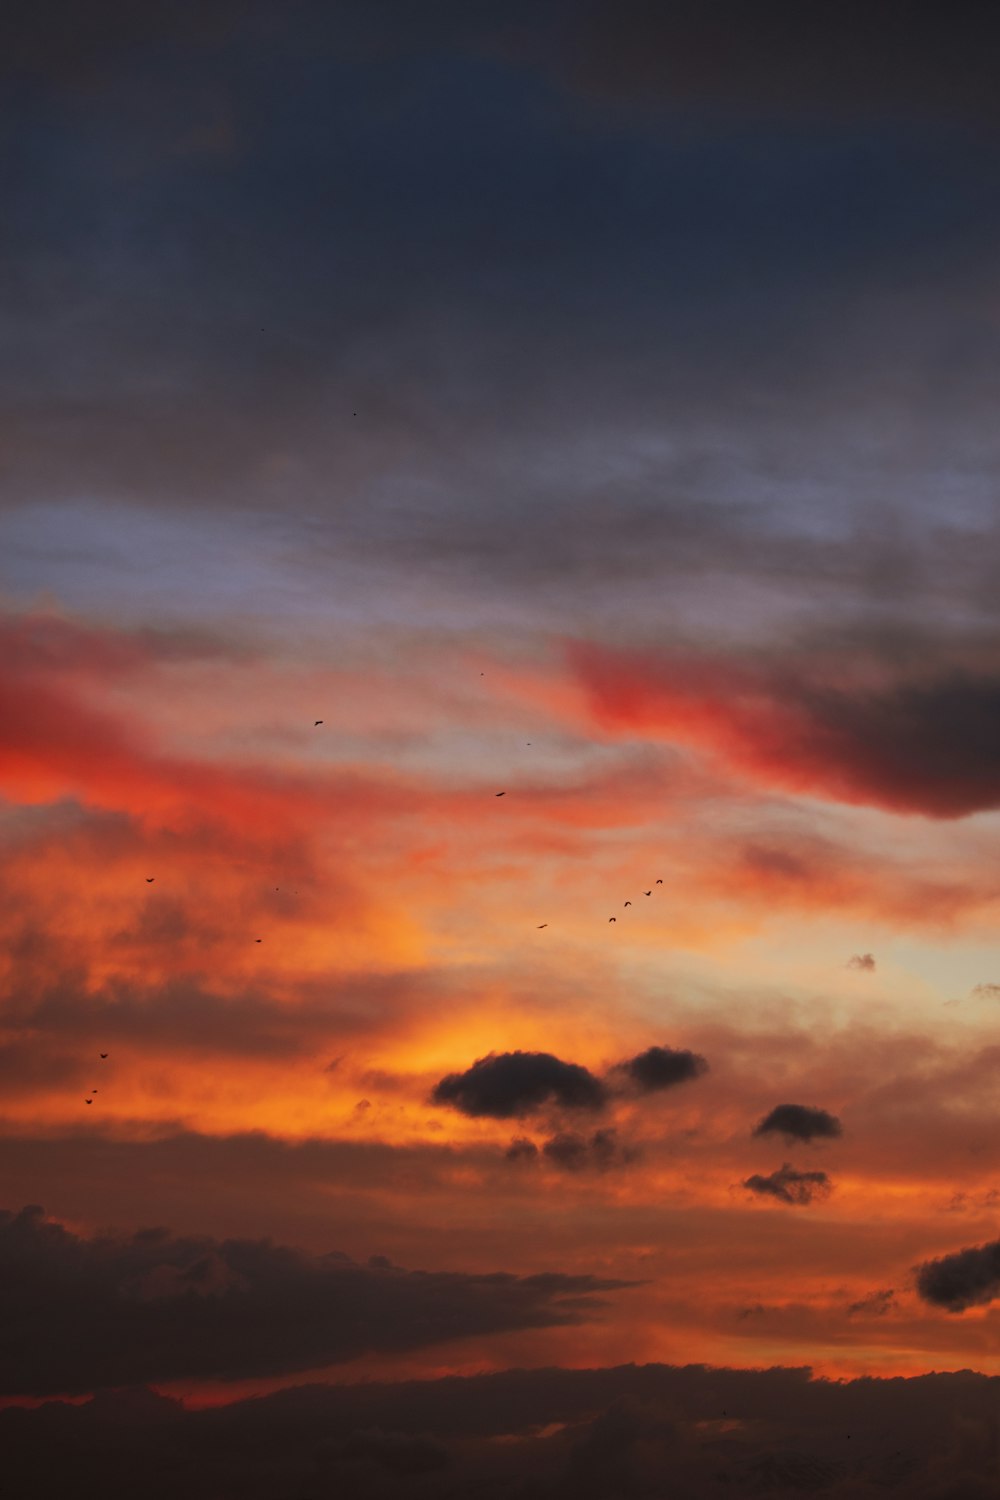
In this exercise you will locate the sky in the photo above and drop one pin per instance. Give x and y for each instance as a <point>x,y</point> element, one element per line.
<point>500,746</point>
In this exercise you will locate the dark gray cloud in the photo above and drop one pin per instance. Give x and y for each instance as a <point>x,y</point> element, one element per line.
<point>662,1068</point>
<point>507,1085</point>
<point>799,1122</point>
<point>789,1185</point>
<point>81,1313</point>
<point>521,1149</point>
<point>969,1278</point>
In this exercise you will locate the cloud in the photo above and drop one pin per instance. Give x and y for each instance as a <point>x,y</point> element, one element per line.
<point>577,1153</point>
<point>641,1430</point>
<point>874,1305</point>
<point>799,1122</point>
<point>661,1068</point>
<point>789,1185</point>
<point>865,962</point>
<point>986,992</point>
<point>112,1310</point>
<point>521,1149</point>
<point>968,1278</point>
<point>916,742</point>
<point>507,1085</point>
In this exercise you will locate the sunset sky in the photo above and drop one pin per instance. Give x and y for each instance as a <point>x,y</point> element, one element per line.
<point>590,403</point>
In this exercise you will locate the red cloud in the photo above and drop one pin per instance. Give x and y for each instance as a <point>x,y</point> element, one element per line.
<point>918,744</point>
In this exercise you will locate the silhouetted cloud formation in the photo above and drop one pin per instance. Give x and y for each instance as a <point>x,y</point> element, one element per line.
<point>800,1122</point>
<point>641,1432</point>
<point>789,1185</point>
<point>506,1085</point>
<point>969,1278</point>
<point>662,1067</point>
<point>80,1313</point>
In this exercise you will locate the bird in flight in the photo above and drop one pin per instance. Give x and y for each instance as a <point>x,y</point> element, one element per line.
<point>659,882</point>
<point>88,1101</point>
<point>317,723</point>
<point>258,940</point>
<point>501,794</point>
<point>150,879</point>
<point>628,903</point>
<point>647,893</point>
<point>612,919</point>
<point>540,926</point>
<point>104,1054</point>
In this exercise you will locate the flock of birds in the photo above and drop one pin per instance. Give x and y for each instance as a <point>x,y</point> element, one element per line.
<point>610,919</point>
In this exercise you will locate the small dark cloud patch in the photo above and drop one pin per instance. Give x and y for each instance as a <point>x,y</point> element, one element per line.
<point>577,1153</point>
<point>507,1085</point>
<point>969,1278</point>
<point>986,992</point>
<point>799,1122</point>
<point>661,1068</point>
<point>863,962</point>
<point>790,1186</point>
<point>521,1149</point>
<point>874,1305</point>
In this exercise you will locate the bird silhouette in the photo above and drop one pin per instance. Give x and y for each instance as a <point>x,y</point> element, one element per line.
<point>540,926</point>
<point>612,919</point>
<point>501,794</point>
<point>659,882</point>
<point>317,723</point>
<point>88,1101</point>
<point>647,893</point>
<point>628,903</point>
<point>104,1054</point>
<point>258,940</point>
<point>150,879</point>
